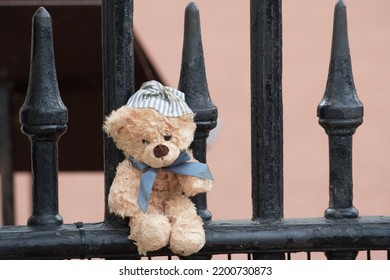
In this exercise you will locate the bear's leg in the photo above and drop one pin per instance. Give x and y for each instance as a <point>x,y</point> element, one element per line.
<point>150,231</point>
<point>187,235</point>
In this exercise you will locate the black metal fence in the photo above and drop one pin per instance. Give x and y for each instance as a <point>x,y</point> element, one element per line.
<point>340,234</point>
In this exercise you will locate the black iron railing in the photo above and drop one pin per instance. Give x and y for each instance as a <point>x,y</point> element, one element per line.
<point>340,234</point>
<point>7,188</point>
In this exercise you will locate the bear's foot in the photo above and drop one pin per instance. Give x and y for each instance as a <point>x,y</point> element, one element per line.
<point>187,236</point>
<point>150,232</point>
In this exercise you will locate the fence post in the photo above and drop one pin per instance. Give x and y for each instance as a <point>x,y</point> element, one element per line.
<point>193,83</point>
<point>340,112</point>
<point>44,119</point>
<point>6,168</point>
<point>266,112</point>
<point>118,76</point>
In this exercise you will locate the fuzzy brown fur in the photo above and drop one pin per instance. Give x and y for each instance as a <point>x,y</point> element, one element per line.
<point>171,218</point>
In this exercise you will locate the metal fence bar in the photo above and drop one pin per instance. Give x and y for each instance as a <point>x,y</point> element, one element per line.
<point>7,186</point>
<point>193,83</point>
<point>368,254</point>
<point>266,111</point>
<point>118,75</point>
<point>340,113</point>
<point>44,119</point>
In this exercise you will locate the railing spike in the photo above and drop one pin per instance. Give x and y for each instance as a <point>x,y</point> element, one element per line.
<point>193,83</point>
<point>43,104</point>
<point>340,100</point>
<point>44,119</point>
<point>193,79</point>
<point>340,112</point>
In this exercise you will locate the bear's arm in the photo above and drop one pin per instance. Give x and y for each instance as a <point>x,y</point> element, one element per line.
<point>122,199</point>
<point>193,185</point>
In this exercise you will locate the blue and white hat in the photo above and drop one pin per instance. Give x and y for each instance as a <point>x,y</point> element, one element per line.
<point>168,101</point>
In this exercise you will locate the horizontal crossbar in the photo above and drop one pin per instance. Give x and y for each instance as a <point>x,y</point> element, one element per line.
<point>107,240</point>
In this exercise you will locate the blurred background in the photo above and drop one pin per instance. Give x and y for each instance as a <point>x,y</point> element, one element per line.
<point>307,32</point>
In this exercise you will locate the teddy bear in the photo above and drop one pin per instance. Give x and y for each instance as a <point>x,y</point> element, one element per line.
<point>154,183</point>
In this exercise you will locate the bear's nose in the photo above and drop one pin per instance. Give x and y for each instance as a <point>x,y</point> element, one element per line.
<point>160,151</point>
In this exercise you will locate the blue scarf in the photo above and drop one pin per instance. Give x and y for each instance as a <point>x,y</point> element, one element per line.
<point>180,166</point>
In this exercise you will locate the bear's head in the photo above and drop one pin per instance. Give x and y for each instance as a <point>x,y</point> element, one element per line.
<point>154,127</point>
<point>148,136</point>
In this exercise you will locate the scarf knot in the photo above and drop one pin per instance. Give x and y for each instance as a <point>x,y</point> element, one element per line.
<point>181,166</point>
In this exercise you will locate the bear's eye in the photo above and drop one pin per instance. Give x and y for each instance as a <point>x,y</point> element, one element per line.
<point>167,137</point>
<point>144,141</point>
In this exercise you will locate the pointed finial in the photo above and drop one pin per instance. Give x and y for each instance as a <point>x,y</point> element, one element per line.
<point>193,81</point>
<point>340,102</point>
<point>43,104</point>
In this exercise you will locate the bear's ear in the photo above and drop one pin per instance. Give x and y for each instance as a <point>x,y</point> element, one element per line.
<point>186,130</point>
<point>188,118</point>
<point>117,121</point>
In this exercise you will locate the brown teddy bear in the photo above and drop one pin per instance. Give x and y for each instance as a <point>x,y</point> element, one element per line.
<point>153,184</point>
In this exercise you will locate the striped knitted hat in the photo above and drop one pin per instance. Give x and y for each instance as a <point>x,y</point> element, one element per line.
<point>168,101</point>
